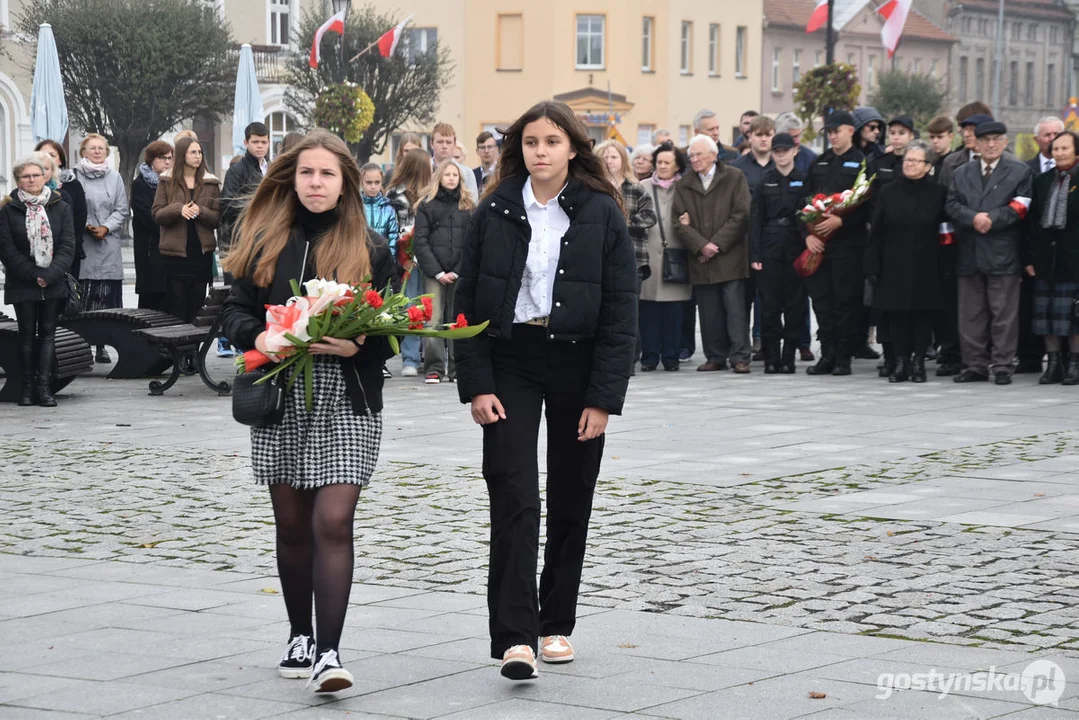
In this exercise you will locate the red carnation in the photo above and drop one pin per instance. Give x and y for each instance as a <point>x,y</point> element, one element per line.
<point>461,322</point>
<point>428,308</point>
<point>415,315</point>
<point>820,196</point>
<point>373,299</point>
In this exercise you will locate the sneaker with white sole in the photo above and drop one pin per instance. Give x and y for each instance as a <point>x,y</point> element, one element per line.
<point>328,675</point>
<point>298,658</point>
<point>432,379</point>
<point>386,374</point>
<point>519,663</point>
<point>556,649</point>
<point>410,371</point>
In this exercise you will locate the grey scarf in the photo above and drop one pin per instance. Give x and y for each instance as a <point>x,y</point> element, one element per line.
<point>1055,216</point>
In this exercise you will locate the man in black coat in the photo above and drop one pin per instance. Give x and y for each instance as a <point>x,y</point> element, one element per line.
<point>241,181</point>
<point>941,131</point>
<point>837,285</point>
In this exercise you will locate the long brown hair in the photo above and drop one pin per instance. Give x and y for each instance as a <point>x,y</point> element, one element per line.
<point>179,164</point>
<point>266,225</point>
<point>414,173</point>
<point>467,202</point>
<point>407,139</point>
<point>586,167</point>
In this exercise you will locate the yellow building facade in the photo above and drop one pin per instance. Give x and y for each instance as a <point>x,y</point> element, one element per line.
<point>650,64</point>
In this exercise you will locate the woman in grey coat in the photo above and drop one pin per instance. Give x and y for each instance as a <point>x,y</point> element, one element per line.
<point>101,275</point>
<point>662,304</point>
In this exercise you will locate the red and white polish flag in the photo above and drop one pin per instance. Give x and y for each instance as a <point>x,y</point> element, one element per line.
<point>895,14</point>
<point>947,234</point>
<point>1021,205</point>
<point>335,24</point>
<point>819,17</point>
<point>388,42</point>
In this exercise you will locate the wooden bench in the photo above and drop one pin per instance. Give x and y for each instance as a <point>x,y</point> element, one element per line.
<point>136,356</point>
<point>73,358</point>
<point>188,344</point>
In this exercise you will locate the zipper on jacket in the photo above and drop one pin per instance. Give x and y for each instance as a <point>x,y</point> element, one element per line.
<point>366,405</point>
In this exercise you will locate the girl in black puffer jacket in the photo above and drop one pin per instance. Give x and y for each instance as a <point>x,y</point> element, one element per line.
<point>441,221</point>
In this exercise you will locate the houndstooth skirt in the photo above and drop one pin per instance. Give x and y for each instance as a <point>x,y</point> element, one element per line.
<point>327,445</point>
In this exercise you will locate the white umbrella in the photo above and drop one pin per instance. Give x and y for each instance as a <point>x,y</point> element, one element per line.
<point>247,107</point>
<point>48,109</point>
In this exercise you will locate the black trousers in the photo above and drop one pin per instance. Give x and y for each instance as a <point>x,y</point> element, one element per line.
<point>185,298</point>
<point>660,332</point>
<point>689,324</point>
<point>910,331</point>
<point>1031,346</point>
<point>37,321</point>
<point>836,289</point>
<point>784,306</point>
<point>533,374</point>
<point>946,323</point>
<point>154,301</point>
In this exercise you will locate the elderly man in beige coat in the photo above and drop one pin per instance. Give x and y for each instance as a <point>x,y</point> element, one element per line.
<point>712,204</point>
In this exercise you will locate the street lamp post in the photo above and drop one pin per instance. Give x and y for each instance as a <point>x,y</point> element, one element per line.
<point>339,6</point>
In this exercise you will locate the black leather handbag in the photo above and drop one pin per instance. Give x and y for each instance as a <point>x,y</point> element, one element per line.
<point>258,405</point>
<point>675,260</point>
<point>73,304</point>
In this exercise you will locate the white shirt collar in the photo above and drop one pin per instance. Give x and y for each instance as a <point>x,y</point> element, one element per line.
<point>1046,163</point>
<point>992,165</point>
<point>530,196</point>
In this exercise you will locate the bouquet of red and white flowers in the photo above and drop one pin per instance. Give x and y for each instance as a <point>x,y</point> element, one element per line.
<point>820,206</point>
<point>336,310</point>
<point>405,257</point>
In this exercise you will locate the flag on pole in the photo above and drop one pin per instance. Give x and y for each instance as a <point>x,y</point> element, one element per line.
<point>335,24</point>
<point>895,14</point>
<point>388,42</point>
<point>819,17</point>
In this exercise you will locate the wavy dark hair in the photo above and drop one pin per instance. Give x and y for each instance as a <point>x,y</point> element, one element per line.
<point>679,156</point>
<point>179,163</point>
<point>586,168</point>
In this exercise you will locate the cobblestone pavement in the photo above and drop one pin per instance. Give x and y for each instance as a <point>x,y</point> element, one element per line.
<point>972,546</point>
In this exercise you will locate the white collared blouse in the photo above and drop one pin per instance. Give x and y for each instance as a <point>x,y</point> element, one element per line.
<point>549,223</point>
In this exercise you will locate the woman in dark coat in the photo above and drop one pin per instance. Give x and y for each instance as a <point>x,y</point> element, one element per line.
<point>37,245</point>
<point>902,259</point>
<point>1054,244</point>
<point>149,274</point>
<point>71,191</point>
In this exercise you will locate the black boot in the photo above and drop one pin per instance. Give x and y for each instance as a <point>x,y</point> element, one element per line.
<point>26,365</point>
<point>1072,376</point>
<point>917,372</point>
<point>770,353</point>
<point>826,364</point>
<point>887,367</point>
<point>786,364</point>
<point>902,371</point>
<point>44,373</point>
<point>842,361</point>
<point>1054,371</point>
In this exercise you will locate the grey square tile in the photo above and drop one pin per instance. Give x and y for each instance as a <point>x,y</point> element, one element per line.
<point>220,707</point>
<point>529,710</point>
<point>105,698</point>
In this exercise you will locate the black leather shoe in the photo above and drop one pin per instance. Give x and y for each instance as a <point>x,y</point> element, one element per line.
<point>867,353</point>
<point>917,370</point>
<point>771,370</point>
<point>1003,378</point>
<point>786,369</point>
<point>1054,370</point>
<point>969,375</point>
<point>823,367</point>
<point>1071,377</point>
<point>841,368</point>
<point>647,368</point>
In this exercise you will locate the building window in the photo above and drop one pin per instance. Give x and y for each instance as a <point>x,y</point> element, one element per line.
<point>713,49</point>
<point>1032,31</point>
<point>963,62</point>
<point>777,56</point>
<point>644,134</point>
<point>917,65</point>
<point>967,22</point>
<point>993,79</point>
<point>687,47</point>
<point>510,50</point>
<point>983,26</point>
<point>740,40</point>
<point>1013,83</point>
<point>420,41</point>
<point>979,78</point>
<point>646,43</point>
<point>796,66</point>
<point>683,135</point>
<point>1029,95</point>
<point>818,58</point>
<point>280,124</point>
<point>1054,34</point>
<point>1017,31</point>
<point>871,73</point>
<point>1050,84</point>
<point>280,13</point>
<point>933,68</point>
<point>590,42</point>
<point>851,59</point>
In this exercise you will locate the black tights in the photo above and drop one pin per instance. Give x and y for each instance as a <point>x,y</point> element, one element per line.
<point>315,556</point>
<point>185,298</point>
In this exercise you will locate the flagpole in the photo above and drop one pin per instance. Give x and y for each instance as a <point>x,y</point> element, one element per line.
<point>830,41</point>
<point>1000,59</point>
<point>361,52</point>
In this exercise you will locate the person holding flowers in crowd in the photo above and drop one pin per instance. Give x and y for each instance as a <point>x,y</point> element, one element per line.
<point>902,260</point>
<point>1054,244</point>
<point>306,220</point>
<point>549,262</point>
<point>101,274</point>
<point>441,220</point>
<point>411,178</point>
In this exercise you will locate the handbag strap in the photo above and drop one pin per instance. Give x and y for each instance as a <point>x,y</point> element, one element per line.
<point>659,216</point>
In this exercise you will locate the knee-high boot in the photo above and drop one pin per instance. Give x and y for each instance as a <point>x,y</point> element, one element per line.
<point>45,356</point>
<point>29,370</point>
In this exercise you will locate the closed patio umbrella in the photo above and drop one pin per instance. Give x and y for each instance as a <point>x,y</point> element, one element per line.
<point>247,107</point>
<point>48,113</point>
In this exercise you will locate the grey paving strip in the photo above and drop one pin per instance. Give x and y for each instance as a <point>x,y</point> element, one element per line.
<point>955,546</point>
